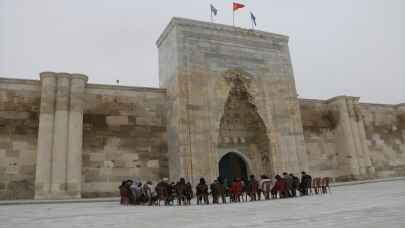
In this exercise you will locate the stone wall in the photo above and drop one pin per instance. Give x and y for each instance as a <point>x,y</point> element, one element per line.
<point>320,137</point>
<point>19,112</point>
<point>385,132</point>
<point>379,130</point>
<point>124,136</point>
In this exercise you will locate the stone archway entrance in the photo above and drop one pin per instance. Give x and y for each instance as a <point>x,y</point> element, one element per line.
<point>232,166</point>
<point>242,128</point>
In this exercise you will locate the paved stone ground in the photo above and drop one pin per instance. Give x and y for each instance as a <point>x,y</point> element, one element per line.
<point>366,205</point>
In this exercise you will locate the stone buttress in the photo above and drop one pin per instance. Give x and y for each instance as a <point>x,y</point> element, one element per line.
<point>59,152</point>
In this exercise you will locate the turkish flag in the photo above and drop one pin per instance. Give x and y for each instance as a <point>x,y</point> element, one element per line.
<point>237,6</point>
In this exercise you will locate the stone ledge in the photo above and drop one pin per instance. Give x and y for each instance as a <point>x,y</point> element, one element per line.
<point>80,76</point>
<point>49,74</point>
<point>20,81</point>
<point>177,21</point>
<point>326,101</point>
<point>131,88</point>
<point>381,105</point>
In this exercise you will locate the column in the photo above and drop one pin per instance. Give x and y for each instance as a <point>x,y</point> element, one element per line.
<point>45,135</point>
<point>60,147</point>
<point>74,156</point>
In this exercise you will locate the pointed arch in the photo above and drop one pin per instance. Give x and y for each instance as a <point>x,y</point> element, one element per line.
<point>241,126</point>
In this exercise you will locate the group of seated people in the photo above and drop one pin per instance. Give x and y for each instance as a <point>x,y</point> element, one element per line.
<point>181,193</point>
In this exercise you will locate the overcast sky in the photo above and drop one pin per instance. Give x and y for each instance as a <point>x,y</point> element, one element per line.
<point>339,47</point>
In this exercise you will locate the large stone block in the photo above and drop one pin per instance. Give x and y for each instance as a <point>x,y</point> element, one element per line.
<point>117,120</point>
<point>12,115</point>
<point>97,157</point>
<point>152,164</point>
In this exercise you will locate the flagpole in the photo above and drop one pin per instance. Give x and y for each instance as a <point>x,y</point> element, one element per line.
<point>233,17</point>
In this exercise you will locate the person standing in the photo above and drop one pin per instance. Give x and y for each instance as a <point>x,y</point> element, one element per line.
<point>295,183</point>
<point>136,191</point>
<point>306,181</point>
<point>147,192</point>
<point>154,196</point>
<point>172,193</point>
<point>253,188</point>
<point>181,191</point>
<point>189,193</point>
<point>289,182</point>
<point>280,187</point>
<point>202,192</point>
<point>214,193</point>
<point>244,189</point>
<point>124,192</point>
<point>236,190</point>
<point>220,189</point>
<point>265,186</point>
<point>162,191</point>
<point>309,184</point>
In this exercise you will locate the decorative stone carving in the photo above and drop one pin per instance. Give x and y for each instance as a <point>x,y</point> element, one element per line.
<point>236,75</point>
<point>240,81</point>
<point>242,123</point>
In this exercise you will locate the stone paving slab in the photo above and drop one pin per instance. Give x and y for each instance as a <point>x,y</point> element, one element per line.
<point>90,200</point>
<point>367,181</point>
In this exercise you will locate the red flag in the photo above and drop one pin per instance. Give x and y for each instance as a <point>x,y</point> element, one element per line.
<point>237,6</point>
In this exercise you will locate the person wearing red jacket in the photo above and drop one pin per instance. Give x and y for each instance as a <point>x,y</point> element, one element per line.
<point>236,190</point>
<point>280,187</point>
<point>124,192</point>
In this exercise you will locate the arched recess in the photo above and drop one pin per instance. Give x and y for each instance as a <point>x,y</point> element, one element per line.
<point>241,127</point>
<point>231,166</point>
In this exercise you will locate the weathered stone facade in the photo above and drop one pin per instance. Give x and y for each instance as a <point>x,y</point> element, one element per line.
<point>348,140</point>
<point>19,120</point>
<point>124,135</point>
<point>385,135</point>
<point>222,90</point>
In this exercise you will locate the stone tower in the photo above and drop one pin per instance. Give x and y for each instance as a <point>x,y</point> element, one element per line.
<point>230,91</point>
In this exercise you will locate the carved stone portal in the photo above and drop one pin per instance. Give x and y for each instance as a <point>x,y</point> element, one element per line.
<point>242,128</point>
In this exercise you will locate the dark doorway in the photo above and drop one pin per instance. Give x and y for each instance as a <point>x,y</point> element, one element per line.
<point>232,166</point>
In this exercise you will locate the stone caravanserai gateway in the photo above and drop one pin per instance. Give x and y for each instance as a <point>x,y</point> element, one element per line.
<point>227,105</point>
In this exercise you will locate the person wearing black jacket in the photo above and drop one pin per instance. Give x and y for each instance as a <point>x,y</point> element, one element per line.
<point>189,193</point>
<point>202,192</point>
<point>181,191</point>
<point>295,184</point>
<point>305,185</point>
<point>214,193</point>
